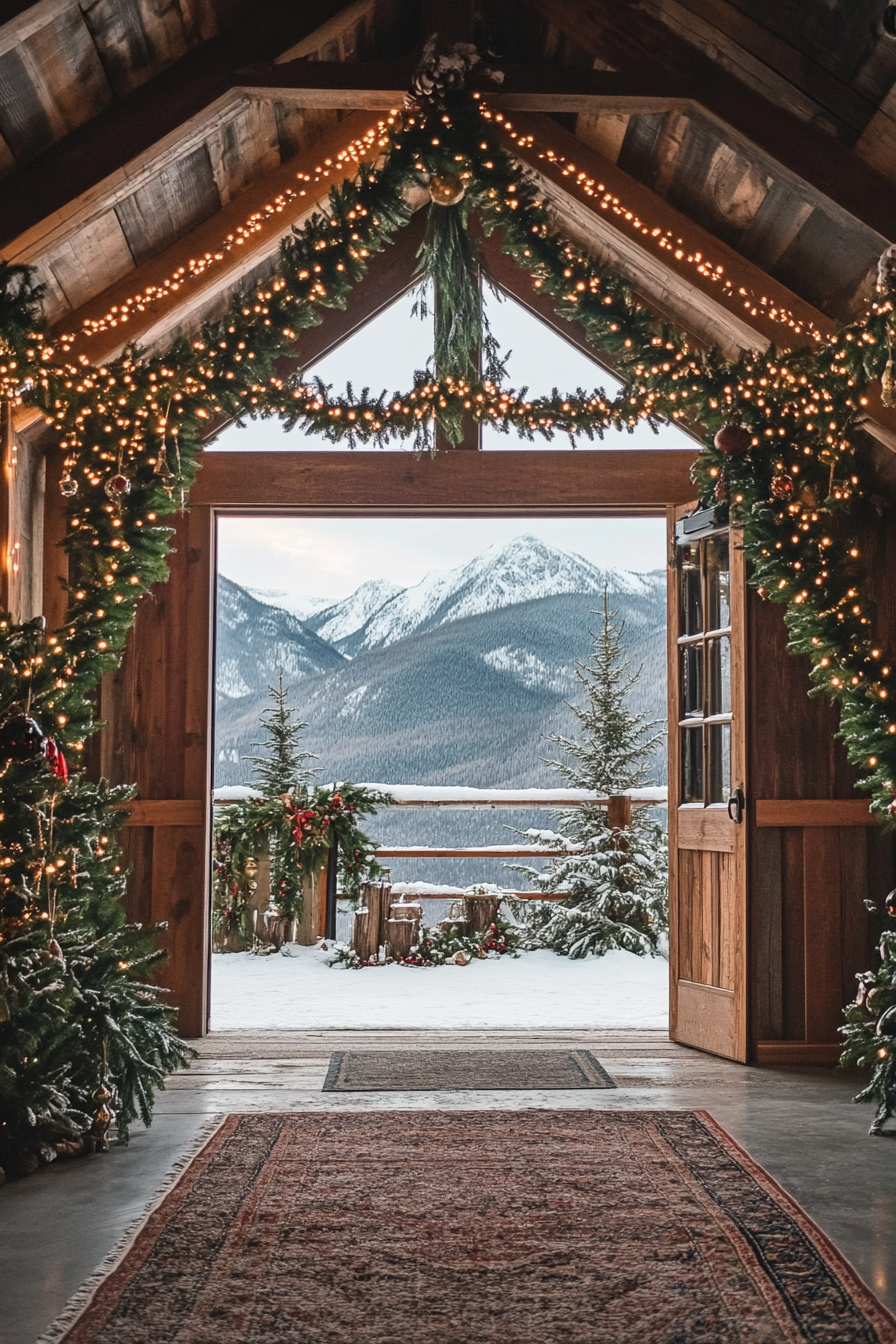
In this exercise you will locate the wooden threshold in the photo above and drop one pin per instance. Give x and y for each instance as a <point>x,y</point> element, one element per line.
<point>797,1052</point>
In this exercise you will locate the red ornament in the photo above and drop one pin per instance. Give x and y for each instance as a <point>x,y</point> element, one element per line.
<point>116,486</point>
<point>56,760</point>
<point>890,904</point>
<point>733,440</point>
<point>782,487</point>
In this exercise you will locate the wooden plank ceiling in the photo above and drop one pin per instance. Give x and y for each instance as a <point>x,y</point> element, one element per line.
<point>129,129</point>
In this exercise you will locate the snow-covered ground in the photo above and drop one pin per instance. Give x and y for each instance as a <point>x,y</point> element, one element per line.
<point>299,991</point>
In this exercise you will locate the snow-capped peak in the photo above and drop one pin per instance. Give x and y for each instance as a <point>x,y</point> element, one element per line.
<point>341,619</point>
<point>502,575</point>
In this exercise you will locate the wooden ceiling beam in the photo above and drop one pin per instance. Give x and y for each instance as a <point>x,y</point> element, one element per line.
<point>664,278</point>
<point>195,296</point>
<point>630,39</point>
<point>531,88</point>
<point>133,124</point>
<point>552,481</point>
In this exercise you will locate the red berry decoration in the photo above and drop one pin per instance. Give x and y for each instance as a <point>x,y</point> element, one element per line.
<point>782,487</point>
<point>733,440</point>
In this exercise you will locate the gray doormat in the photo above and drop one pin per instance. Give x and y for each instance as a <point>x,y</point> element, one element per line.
<point>463,1071</point>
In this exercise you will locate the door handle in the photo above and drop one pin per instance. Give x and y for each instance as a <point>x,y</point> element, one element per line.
<point>736,805</point>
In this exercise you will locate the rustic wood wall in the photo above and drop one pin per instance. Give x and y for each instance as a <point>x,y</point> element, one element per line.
<point>809,875</point>
<point>158,708</point>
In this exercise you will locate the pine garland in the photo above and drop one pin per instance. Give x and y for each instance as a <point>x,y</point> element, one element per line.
<point>131,432</point>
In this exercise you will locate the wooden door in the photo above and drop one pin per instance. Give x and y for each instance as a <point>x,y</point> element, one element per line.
<point>707,788</point>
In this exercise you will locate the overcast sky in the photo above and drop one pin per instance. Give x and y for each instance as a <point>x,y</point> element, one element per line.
<point>329,558</point>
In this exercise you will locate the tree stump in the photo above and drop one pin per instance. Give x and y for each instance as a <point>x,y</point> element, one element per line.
<point>481,911</point>
<point>377,898</point>
<point>365,939</point>
<point>401,936</point>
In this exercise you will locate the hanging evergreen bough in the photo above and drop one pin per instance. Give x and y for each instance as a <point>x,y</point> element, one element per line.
<point>131,431</point>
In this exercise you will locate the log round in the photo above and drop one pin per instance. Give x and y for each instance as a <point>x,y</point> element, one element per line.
<point>401,935</point>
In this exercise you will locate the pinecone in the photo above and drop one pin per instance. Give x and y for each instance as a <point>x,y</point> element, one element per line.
<point>442,72</point>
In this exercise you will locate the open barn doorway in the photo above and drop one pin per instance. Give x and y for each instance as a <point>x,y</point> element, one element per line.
<point>435,653</point>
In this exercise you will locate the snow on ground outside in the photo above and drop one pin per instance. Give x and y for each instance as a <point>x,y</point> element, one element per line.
<point>301,992</point>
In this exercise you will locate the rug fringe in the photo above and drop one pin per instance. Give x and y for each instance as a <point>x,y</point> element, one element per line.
<point>81,1300</point>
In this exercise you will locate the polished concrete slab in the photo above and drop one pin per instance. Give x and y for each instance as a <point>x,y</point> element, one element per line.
<point>800,1124</point>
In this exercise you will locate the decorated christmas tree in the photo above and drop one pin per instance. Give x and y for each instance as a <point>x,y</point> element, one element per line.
<point>870,1029</point>
<point>82,1031</point>
<point>615,882</point>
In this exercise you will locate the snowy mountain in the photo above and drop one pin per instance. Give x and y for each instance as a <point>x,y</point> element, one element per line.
<point>254,640</point>
<point>340,620</point>
<point>523,570</point>
<point>301,608</point>
<point>469,702</point>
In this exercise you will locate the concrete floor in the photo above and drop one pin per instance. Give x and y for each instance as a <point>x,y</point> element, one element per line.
<point>800,1124</point>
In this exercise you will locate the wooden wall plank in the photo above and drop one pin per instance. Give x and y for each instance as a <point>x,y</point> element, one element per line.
<point>822,931</point>
<point>182,197</point>
<point>91,259</point>
<point>767,951</point>
<point>730,958</point>
<point>179,862</point>
<point>793,936</point>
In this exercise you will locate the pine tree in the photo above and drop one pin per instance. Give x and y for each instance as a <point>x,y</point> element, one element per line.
<point>283,765</point>
<point>616,884</point>
<point>870,1029</point>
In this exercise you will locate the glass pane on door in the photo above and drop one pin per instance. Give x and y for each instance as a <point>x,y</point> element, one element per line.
<point>718,673</point>
<point>692,765</point>
<point>719,764</point>
<point>691,591</point>
<point>692,681</point>
<point>718,617</point>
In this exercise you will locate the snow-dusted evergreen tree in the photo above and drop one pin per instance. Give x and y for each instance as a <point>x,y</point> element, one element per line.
<point>616,882</point>
<point>283,767</point>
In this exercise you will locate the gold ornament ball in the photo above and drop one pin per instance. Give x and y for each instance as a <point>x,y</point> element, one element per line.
<point>446,188</point>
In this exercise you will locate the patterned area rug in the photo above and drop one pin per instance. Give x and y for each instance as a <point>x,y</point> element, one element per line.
<point>524,1227</point>
<point>463,1070</point>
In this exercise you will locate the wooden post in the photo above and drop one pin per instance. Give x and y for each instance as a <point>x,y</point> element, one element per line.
<point>619,815</point>
<point>330,890</point>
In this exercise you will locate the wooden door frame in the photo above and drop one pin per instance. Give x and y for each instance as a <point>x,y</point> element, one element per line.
<point>171,881</point>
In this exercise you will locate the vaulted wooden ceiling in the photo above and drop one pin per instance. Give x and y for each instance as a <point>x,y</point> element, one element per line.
<point>137,134</point>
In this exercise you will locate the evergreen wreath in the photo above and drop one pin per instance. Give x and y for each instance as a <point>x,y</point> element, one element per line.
<point>131,430</point>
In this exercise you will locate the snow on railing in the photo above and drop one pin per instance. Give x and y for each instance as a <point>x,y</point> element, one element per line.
<point>437,795</point>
